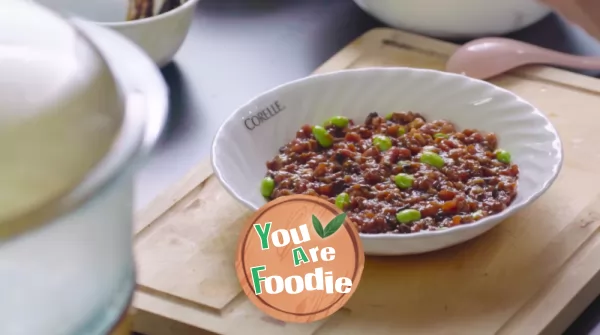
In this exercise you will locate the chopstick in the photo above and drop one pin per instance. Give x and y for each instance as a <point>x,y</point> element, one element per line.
<point>140,9</point>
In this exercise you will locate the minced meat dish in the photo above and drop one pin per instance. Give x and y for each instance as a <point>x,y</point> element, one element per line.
<point>396,174</point>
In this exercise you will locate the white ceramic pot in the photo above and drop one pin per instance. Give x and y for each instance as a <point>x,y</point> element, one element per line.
<point>456,18</point>
<point>66,260</point>
<point>159,36</point>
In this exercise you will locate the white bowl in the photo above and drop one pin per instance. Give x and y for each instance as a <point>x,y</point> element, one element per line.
<point>456,18</point>
<point>239,154</point>
<point>159,36</point>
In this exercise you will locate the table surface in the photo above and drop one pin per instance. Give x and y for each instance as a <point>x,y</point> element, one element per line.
<point>238,48</point>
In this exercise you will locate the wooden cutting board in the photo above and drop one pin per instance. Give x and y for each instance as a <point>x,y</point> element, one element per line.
<point>532,274</point>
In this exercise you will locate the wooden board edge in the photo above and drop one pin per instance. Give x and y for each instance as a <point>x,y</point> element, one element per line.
<point>352,51</point>
<point>577,305</point>
<point>166,199</point>
<point>368,40</point>
<point>559,302</point>
<point>548,304</point>
<point>153,309</point>
<point>560,77</point>
<point>147,323</point>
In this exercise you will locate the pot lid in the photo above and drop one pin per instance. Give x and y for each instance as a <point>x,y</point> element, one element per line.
<point>60,108</point>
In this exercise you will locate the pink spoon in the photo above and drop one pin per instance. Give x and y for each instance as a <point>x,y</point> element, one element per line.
<point>488,57</point>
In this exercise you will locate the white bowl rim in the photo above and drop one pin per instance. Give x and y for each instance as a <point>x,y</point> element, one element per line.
<point>117,24</point>
<point>498,217</point>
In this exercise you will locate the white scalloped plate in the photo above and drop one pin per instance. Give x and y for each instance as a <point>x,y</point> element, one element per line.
<point>241,149</point>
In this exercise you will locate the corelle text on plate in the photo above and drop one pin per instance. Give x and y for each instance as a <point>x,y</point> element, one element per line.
<point>239,155</point>
<point>254,120</point>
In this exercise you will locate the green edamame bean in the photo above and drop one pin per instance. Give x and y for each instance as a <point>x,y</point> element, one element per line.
<point>322,136</point>
<point>401,130</point>
<point>503,156</point>
<point>339,121</point>
<point>433,159</point>
<point>408,215</point>
<point>382,142</point>
<point>342,200</point>
<point>267,186</point>
<point>389,116</point>
<point>441,135</point>
<point>404,180</point>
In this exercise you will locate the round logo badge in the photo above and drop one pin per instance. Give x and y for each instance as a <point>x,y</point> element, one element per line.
<point>299,258</point>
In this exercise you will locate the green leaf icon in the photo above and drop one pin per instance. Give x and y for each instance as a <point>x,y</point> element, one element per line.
<point>318,227</point>
<point>334,225</point>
